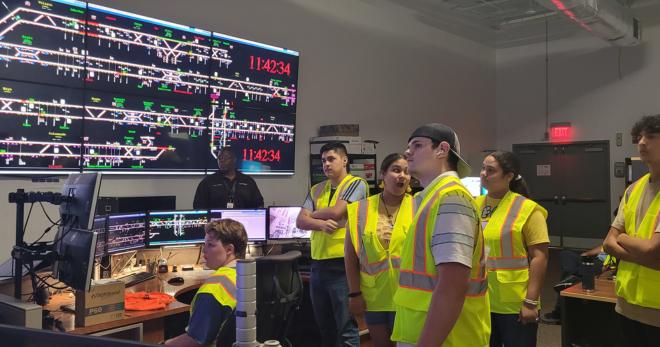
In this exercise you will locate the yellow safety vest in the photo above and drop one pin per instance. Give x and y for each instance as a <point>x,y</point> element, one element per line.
<point>637,284</point>
<point>507,263</point>
<point>418,277</point>
<point>222,285</point>
<point>324,245</point>
<point>379,267</point>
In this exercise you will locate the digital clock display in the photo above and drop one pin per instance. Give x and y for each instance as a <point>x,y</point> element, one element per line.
<point>262,155</point>
<point>273,66</point>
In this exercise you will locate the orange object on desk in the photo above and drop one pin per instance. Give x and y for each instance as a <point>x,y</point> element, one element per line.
<point>143,301</point>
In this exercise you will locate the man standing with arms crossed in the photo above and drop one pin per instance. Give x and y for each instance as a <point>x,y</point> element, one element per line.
<point>324,212</point>
<point>442,298</point>
<point>634,238</point>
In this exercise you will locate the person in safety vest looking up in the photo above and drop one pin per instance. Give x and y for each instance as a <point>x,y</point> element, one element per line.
<point>516,234</point>
<point>442,298</point>
<point>324,212</point>
<point>376,229</point>
<point>634,238</point>
<point>212,306</point>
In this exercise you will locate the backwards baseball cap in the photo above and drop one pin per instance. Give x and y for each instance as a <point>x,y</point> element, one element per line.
<point>440,132</point>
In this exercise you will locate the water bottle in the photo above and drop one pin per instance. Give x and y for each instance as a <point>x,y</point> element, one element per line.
<point>588,274</point>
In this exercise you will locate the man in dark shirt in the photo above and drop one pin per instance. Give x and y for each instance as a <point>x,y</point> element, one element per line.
<point>227,188</point>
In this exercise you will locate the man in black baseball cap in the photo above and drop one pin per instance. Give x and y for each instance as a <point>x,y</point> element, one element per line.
<point>442,280</point>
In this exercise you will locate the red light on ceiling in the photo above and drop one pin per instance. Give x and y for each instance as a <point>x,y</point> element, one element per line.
<point>561,132</point>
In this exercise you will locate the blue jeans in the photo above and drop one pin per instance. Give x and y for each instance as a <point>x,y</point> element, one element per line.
<point>507,331</point>
<point>329,294</point>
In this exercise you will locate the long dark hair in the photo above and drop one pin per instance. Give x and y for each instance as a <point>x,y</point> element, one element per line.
<point>509,162</point>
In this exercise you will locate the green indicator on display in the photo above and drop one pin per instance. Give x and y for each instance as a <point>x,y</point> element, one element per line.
<point>64,127</point>
<point>137,166</point>
<point>76,10</point>
<point>131,131</point>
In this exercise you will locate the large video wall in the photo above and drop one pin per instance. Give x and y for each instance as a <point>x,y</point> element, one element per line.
<point>86,87</point>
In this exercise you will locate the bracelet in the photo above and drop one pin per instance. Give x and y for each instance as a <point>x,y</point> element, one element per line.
<point>354,294</point>
<point>531,302</point>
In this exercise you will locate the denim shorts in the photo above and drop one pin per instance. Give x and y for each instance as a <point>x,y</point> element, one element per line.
<point>380,317</point>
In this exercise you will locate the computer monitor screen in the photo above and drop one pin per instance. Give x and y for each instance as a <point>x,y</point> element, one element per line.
<point>99,227</point>
<point>81,191</point>
<point>126,232</point>
<point>254,221</point>
<point>282,223</point>
<point>75,258</point>
<point>170,228</point>
<point>473,185</point>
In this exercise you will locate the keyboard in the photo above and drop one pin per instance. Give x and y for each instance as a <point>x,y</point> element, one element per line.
<point>136,278</point>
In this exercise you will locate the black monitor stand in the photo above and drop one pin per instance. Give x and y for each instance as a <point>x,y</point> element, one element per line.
<point>21,252</point>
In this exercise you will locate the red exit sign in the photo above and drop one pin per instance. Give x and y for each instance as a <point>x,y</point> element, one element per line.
<point>561,132</point>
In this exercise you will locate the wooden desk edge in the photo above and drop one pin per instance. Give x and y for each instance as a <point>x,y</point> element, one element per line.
<point>604,292</point>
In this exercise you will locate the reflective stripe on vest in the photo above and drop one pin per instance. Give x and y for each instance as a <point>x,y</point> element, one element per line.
<point>376,267</point>
<point>329,245</point>
<point>635,283</point>
<point>507,259</point>
<point>417,277</point>
<point>225,282</point>
<point>221,285</point>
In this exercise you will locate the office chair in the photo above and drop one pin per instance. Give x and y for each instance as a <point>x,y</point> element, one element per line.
<point>279,294</point>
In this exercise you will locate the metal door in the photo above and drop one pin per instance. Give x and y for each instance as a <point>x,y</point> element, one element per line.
<point>574,189</point>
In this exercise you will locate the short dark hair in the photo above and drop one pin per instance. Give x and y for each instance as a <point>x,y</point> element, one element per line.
<point>229,231</point>
<point>452,159</point>
<point>648,125</point>
<point>226,149</point>
<point>334,146</point>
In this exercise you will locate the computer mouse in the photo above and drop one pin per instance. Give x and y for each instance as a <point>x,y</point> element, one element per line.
<point>175,280</point>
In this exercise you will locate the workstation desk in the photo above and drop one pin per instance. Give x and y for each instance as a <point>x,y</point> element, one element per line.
<point>589,318</point>
<point>149,324</point>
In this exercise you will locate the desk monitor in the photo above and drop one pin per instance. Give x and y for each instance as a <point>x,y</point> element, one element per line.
<point>82,191</point>
<point>253,220</point>
<point>126,232</point>
<point>75,258</point>
<point>170,228</point>
<point>99,227</point>
<point>282,223</point>
<point>473,185</point>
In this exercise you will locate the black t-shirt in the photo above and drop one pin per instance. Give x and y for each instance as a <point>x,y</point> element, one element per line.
<point>216,190</point>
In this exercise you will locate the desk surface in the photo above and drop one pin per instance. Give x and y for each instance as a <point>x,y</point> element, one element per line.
<point>604,291</point>
<point>192,281</point>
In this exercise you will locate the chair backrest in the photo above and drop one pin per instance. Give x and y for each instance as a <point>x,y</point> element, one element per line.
<point>227,335</point>
<point>279,293</point>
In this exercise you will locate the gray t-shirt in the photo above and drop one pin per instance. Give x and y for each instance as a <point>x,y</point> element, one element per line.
<point>356,190</point>
<point>456,227</point>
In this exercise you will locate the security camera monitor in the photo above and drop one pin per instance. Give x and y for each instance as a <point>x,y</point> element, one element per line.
<point>282,223</point>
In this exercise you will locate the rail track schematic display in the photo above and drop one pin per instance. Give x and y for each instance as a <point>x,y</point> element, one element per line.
<point>86,87</point>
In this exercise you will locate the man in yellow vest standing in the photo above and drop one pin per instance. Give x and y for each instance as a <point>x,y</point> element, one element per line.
<point>442,298</point>
<point>324,212</point>
<point>634,239</point>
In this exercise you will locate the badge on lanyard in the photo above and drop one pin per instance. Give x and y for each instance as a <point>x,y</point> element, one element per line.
<point>230,205</point>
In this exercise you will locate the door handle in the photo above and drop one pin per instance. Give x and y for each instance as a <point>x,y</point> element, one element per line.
<point>556,198</point>
<point>563,199</point>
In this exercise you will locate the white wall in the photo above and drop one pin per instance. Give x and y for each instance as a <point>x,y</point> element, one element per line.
<point>368,62</point>
<point>587,87</point>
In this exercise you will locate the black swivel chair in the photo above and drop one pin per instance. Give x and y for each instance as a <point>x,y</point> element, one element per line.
<point>279,294</point>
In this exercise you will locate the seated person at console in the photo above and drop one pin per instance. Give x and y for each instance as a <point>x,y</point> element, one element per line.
<point>225,242</point>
